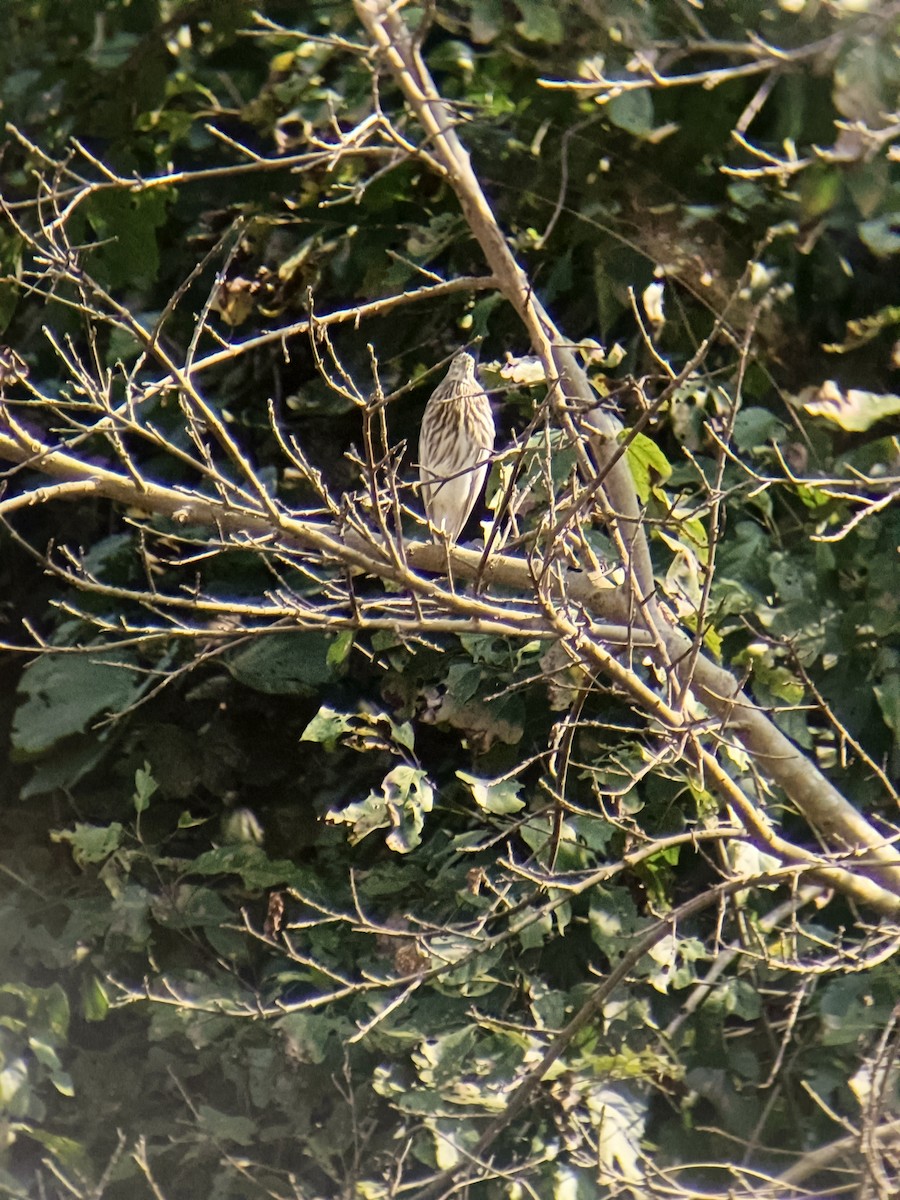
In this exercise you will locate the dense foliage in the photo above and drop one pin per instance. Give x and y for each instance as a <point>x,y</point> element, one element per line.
<point>339,864</point>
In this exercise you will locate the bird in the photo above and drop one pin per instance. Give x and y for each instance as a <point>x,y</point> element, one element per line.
<point>455,445</point>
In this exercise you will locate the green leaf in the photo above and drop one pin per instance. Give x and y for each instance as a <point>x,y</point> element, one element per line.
<point>62,1081</point>
<point>227,1128</point>
<point>452,55</point>
<point>863,330</point>
<point>649,466</point>
<point>596,832</point>
<point>327,727</point>
<point>187,821</point>
<point>881,234</point>
<point>887,694</point>
<point>849,1009</point>
<point>613,921</point>
<point>144,787</point>
<point>755,428</point>
<point>475,974</point>
<point>339,649</point>
<point>56,1011</point>
<point>621,1115</point>
<point>736,997</point>
<point>406,796</point>
<point>47,1057</point>
<point>307,1034</point>
<point>533,935</point>
<point>251,863</point>
<point>501,721</point>
<point>284,664</point>
<point>44,1053</point>
<point>91,843</point>
<point>47,1009</point>
<point>14,1087</point>
<point>499,796</point>
<point>404,734</point>
<point>487,20</point>
<point>820,189</point>
<point>631,111</point>
<point>792,576</point>
<point>187,907</point>
<point>442,1060</point>
<point>853,409</point>
<point>126,224</point>
<point>68,764</point>
<point>94,1000</point>
<point>463,680</point>
<point>63,694</point>
<point>773,683</point>
<point>112,557</point>
<point>540,22</point>
<point>65,1150</point>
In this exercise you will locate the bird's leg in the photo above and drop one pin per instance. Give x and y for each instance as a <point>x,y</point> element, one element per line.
<point>447,543</point>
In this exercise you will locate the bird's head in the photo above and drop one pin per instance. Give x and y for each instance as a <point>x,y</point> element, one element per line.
<point>462,366</point>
